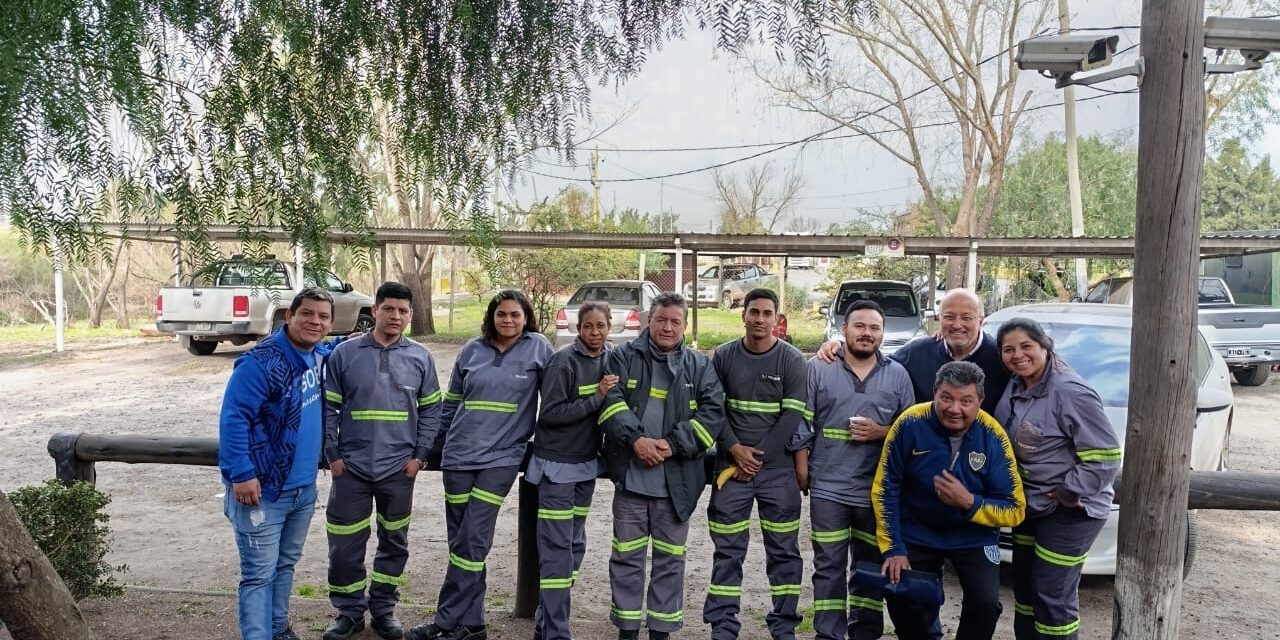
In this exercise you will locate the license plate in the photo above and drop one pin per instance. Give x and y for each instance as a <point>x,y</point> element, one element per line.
<point>201,326</point>
<point>1239,352</point>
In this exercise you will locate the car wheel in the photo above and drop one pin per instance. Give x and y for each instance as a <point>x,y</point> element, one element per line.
<point>1252,376</point>
<point>200,347</point>
<point>726,300</point>
<point>364,324</point>
<point>1193,541</point>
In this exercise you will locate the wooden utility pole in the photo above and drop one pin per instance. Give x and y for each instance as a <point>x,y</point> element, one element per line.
<point>34,603</point>
<point>1162,386</point>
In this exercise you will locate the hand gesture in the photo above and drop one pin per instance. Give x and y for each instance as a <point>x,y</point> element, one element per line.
<point>247,493</point>
<point>893,568</point>
<point>337,467</point>
<point>412,467</point>
<point>606,383</point>
<point>830,350</point>
<point>952,492</point>
<point>648,452</point>
<point>867,430</point>
<point>747,459</point>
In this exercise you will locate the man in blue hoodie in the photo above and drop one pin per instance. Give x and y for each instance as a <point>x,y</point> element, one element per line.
<point>270,432</point>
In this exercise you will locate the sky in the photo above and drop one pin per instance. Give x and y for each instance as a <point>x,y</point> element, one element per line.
<point>691,95</point>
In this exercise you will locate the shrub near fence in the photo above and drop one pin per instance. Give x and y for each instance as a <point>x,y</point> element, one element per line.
<point>69,524</point>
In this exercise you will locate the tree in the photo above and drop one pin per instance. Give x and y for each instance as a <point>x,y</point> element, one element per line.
<point>754,205</point>
<point>252,112</point>
<point>1237,192</point>
<point>935,85</point>
<point>1240,105</point>
<point>34,603</point>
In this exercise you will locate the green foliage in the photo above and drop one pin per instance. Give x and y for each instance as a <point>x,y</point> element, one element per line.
<point>1239,193</point>
<point>69,524</point>
<point>476,280</point>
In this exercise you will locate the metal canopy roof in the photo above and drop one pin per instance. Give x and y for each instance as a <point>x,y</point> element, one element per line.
<point>1217,244</point>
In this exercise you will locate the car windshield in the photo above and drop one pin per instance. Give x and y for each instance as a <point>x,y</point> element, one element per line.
<point>897,303</point>
<point>615,295</point>
<point>1213,292</point>
<point>1099,354</point>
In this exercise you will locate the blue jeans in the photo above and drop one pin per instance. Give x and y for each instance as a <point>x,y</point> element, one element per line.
<point>270,538</point>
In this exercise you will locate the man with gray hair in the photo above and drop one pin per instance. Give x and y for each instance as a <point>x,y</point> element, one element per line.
<point>659,421</point>
<point>946,483</point>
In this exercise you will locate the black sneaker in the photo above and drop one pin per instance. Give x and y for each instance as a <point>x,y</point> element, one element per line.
<point>343,628</point>
<point>628,634</point>
<point>658,635</point>
<point>387,627</point>
<point>430,631</point>
<point>287,634</point>
<point>463,632</point>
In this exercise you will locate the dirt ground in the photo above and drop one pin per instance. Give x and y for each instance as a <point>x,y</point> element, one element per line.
<point>167,523</point>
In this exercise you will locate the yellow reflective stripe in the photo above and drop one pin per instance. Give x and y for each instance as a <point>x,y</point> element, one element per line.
<point>582,512</point>
<point>693,405</point>
<point>490,405</point>
<point>379,415</point>
<point>808,414</point>
<point>841,535</point>
<point>703,435</point>
<point>354,587</point>
<point>333,396</point>
<point>484,496</point>
<point>1024,540</point>
<point>724,590</point>
<point>869,538</point>
<point>460,562</point>
<point>555,514</point>
<point>626,614</point>
<point>728,528</point>
<point>611,411</point>
<point>555,583</point>
<point>1095,455</point>
<point>1059,559</point>
<point>627,546</point>
<point>836,434</point>
<point>588,389</point>
<point>395,581</point>
<point>1023,609</point>
<point>1060,630</point>
<point>392,525</point>
<point>429,399</point>
<point>779,527</point>
<point>829,605</point>
<point>449,395</point>
<point>632,382</point>
<point>457,498</point>
<point>866,603</point>
<point>660,394</point>
<point>674,616</point>
<point>347,529</point>
<point>750,406</point>
<point>784,589</point>
<point>794,405</point>
<point>668,548</point>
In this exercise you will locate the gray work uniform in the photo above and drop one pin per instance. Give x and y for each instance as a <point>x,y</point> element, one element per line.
<point>489,412</point>
<point>765,405</point>
<point>1065,445</point>
<point>840,475</point>
<point>382,408</point>
<point>565,464</point>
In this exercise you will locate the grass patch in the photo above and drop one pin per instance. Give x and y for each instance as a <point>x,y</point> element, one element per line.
<point>76,331</point>
<point>309,591</point>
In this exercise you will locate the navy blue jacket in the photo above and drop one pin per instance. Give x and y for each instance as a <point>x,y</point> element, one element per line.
<point>925,355</point>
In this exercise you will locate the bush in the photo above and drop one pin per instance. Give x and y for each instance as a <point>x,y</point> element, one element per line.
<point>68,523</point>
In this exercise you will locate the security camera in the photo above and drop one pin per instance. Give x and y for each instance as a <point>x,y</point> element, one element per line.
<point>1254,38</point>
<point>1065,55</point>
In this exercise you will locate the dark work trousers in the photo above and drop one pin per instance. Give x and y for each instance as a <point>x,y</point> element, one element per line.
<point>638,522</point>
<point>1048,556</point>
<point>472,499</point>
<point>562,542</point>
<point>980,608</point>
<point>347,521</point>
<point>842,536</point>
<point>729,520</point>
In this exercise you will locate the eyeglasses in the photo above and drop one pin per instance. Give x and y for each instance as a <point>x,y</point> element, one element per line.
<point>951,317</point>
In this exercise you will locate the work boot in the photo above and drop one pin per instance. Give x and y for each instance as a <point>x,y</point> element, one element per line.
<point>463,632</point>
<point>628,634</point>
<point>287,634</point>
<point>658,635</point>
<point>387,627</point>
<point>343,628</point>
<point>429,631</point>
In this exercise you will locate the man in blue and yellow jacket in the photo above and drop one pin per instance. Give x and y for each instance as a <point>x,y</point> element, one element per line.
<point>946,483</point>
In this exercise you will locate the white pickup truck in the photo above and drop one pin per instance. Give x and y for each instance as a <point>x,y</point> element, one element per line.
<point>238,301</point>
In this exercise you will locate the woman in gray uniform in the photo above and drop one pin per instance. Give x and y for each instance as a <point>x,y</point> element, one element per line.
<point>1068,456</point>
<point>488,416</point>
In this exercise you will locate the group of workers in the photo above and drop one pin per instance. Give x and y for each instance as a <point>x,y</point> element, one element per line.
<point>908,460</point>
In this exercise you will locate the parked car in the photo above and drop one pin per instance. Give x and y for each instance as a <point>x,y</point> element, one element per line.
<point>629,300</point>
<point>739,278</point>
<point>1246,335</point>
<point>1095,340</point>
<point>239,301</point>
<point>799,262</point>
<point>903,320</point>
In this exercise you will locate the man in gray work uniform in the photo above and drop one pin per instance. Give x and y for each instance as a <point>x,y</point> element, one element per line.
<point>854,400</point>
<point>383,410</point>
<point>764,386</point>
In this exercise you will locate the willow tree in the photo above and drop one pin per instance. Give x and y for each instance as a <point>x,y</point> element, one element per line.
<point>254,112</point>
